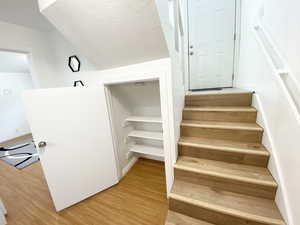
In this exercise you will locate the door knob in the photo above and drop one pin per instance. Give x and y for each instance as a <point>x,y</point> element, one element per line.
<point>191,53</point>
<point>42,144</point>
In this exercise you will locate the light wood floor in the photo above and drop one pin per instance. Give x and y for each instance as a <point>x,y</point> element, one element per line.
<point>139,199</point>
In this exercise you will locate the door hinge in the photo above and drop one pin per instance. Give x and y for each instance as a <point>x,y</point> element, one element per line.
<point>234,37</point>
<point>233,76</point>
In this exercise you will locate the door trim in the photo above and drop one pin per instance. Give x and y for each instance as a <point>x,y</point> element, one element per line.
<point>236,44</point>
<point>108,97</point>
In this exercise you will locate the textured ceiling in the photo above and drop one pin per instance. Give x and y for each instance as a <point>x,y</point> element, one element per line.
<point>24,13</point>
<point>111,33</point>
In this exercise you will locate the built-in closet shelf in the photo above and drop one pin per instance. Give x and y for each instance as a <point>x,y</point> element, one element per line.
<point>146,135</point>
<point>148,150</point>
<point>144,119</point>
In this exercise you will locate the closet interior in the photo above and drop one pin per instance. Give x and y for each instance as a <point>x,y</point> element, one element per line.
<point>135,111</point>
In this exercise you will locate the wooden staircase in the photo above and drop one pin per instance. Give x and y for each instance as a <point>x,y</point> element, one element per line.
<point>221,175</point>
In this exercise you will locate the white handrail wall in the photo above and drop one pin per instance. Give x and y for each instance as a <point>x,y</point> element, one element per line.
<point>265,70</point>
<point>280,67</point>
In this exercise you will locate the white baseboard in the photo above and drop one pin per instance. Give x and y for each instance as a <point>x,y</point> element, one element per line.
<point>274,164</point>
<point>2,219</point>
<point>2,208</point>
<point>129,165</point>
<point>3,212</point>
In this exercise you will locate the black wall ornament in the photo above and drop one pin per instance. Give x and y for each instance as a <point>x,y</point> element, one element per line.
<point>77,82</point>
<point>74,63</point>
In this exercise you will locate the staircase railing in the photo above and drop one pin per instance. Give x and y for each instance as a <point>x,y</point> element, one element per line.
<point>287,80</point>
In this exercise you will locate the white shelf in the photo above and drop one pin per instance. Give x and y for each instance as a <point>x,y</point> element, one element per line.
<point>147,150</point>
<point>146,134</point>
<point>144,119</point>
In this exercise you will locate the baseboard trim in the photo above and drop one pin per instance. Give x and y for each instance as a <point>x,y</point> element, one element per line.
<point>129,165</point>
<point>14,140</point>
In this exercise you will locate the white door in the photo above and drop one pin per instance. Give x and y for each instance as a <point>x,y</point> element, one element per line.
<point>78,160</point>
<point>211,43</point>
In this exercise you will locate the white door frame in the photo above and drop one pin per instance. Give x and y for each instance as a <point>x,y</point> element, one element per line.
<point>167,116</point>
<point>236,48</point>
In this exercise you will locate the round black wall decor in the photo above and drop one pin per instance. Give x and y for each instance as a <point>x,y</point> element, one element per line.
<point>74,63</point>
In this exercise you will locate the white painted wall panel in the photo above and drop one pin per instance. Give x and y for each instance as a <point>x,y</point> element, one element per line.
<point>12,114</point>
<point>176,78</point>
<point>276,114</point>
<point>48,53</point>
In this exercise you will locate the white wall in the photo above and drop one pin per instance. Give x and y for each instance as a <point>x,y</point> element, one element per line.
<point>13,62</point>
<point>45,3</point>
<point>48,53</point>
<point>282,21</point>
<point>177,91</point>
<point>93,77</point>
<point>21,39</point>
<point>61,50</point>
<point>276,114</point>
<point>12,115</point>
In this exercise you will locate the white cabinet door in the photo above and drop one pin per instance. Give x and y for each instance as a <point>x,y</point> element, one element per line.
<point>211,43</point>
<point>78,160</point>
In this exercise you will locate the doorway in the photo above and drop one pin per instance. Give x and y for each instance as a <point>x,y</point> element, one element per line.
<point>16,145</point>
<point>212,38</point>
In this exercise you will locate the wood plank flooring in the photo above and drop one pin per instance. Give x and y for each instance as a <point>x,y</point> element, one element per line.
<point>14,140</point>
<point>139,199</point>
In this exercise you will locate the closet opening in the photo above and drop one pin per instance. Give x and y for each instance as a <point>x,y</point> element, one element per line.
<point>17,148</point>
<point>137,125</point>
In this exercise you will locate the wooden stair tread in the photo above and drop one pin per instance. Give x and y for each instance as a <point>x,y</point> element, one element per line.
<point>217,93</point>
<point>220,108</point>
<point>238,205</point>
<point>221,175</point>
<point>175,218</point>
<point>239,172</point>
<point>222,125</point>
<point>224,145</point>
<point>219,99</point>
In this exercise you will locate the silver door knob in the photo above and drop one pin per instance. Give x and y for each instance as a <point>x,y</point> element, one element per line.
<point>42,144</point>
<point>191,53</point>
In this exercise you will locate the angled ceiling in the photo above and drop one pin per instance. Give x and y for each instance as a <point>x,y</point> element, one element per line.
<point>25,13</point>
<point>110,33</point>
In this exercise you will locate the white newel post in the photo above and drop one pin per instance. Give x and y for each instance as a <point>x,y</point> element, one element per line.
<point>2,213</point>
